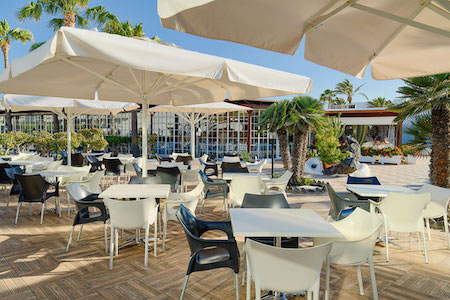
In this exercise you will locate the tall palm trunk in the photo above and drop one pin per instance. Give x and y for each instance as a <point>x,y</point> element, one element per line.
<point>69,19</point>
<point>285,153</point>
<point>5,50</point>
<point>299,155</point>
<point>349,99</point>
<point>440,148</point>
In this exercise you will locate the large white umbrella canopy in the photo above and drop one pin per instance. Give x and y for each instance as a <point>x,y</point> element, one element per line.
<point>193,114</point>
<point>67,108</point>
<point>78,63</point>
<point>398,38</point>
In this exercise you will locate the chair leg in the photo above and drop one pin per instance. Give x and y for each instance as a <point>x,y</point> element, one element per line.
<point>42,212</point>
<point>236,284</point>
<point>17,212</point>
<point>68,204</point>
<point>201,208</point>
<point>183,288</point>
<point>258,291</point>
<point>244,267</point>
<point>116,242</point>
<point>7,203</point>
<point>386,235</point>
<point>360,283</point>
<point>79,233</point>
<point>327,278</point>
<point>146,248</point>
<point>425,247</point>
<point>70,239</point>
<point>111,246</point>
<point>316,289</point>
<point>59,208</point>
<point>427,221</point>
<point>249,283</point>
<point>106,237</point>
<point>446,230</point>
<point>372,278</point>
<point>155,235</point>
<point>159,224</point>
<point>164,236</point>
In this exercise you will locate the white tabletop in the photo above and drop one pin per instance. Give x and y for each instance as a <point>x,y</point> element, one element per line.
<point>371,190</point>
<point>268,222</point>
<point>136,191</point>
<point>231,175</point>
<point>28,162</point>
<point>57,173</point>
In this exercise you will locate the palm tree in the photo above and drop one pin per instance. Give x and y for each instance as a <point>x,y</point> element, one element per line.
<point>124,28</point>
<point>425,94</point>
<point>7,35</point>
<point>274,119</point>
<point>307,113</point>
<point>379,102</point>
<point>328,96</point>
<point>346,88</point>
<point>421,129</point>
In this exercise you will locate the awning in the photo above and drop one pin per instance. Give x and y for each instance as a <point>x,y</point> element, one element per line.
<point>368,120</point>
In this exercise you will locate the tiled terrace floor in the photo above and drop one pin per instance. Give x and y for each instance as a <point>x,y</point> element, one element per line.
<point>34,264</point>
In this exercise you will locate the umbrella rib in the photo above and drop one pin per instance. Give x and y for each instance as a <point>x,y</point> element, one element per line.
<point>99,75</point>
<point>180,85</point>
<point>444,3</point>
<point>107,76</point>
<point>439,11</point>
<point>402,20</point>
<point>135,80</point>
<point>320,20</point>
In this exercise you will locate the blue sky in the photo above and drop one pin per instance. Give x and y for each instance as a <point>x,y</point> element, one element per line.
<point>145,11</point>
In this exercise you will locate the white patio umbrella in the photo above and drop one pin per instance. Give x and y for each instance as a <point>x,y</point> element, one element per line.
<point>79,63</point>
<point>67,108</point>
<point>398,38</point>
<point>193,114</point>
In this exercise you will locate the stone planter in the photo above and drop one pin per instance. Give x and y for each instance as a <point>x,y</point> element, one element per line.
<point>390,160</point>
<point>411,160</point>
<point>367,159</point>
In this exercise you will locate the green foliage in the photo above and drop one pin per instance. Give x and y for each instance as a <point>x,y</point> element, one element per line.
<point>334,124</point>
<point>36,45</point>
<point>7,34</point>
<point>15,140</point>
<point>327,146</point>
<point>379,102</point>
<point>360,132</point>
<point>420,129</point>
<point>346,88</point>
<point>275,116</point>
<point>306,112</point>
<point>61,141</point>
<point>390,151</point>
<point>124,28</point>
<point>7,142</point>
<point>116,140</point>
<point>370,151</point>
<point>409,150</point>
<point>43,142</point>
<point>246,156</point>
<point>93,139</point>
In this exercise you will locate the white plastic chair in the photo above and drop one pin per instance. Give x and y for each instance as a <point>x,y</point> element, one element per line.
<point>79,175</point>
<point>280,183</point>
<point>240,185</point>
<point>257,166</point>
<point>189,176</point>
<point>92,182</point>
<point>438,207</point>
<point>204,157</point>
<point>189,200</point>
<point>360,231</point>
<point>132,215</point>
<point>54,165</point>
<point>286,270</point>
<point>403,213</point>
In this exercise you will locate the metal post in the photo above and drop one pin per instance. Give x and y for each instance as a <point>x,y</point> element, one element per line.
<point>193,135</point>
<point>144,134</point>
<point>69,138</point>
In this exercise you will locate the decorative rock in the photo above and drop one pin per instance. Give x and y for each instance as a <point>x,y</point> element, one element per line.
<point>313,166</point>
<point>353,147</point>
<point>346,166</point>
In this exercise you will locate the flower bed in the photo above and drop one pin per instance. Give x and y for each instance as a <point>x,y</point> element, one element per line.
<point>369,155</point>
<point>410,154</point>
<point>391,156</point>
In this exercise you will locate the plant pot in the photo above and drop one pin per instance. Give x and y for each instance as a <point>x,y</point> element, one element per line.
<point>390,160</point>
<point>367,159</point>
<point>325,165</point>
<point>411,159</point>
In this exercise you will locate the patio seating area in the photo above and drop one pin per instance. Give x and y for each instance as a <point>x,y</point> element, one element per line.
<point>35,264</point>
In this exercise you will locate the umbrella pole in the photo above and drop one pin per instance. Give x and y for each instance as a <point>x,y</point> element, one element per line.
<point>192,135</point>
<point>69,139</point>
<point>144,135</point>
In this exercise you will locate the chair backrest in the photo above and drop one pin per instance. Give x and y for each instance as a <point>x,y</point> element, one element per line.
<point>145,180</point>
<point>337,204</point>
<point>93,184</point>
<point>76,191</point>
<point>265,201</point>
<point>195,195</point>
<point>132,214</point>
<point>191,175</point>
<point>233,167</point>
<point>170,175</point>
<point>54,165</point>
<point>137,169</point>
<point>204,157</point>
<point>3,177</point>
<point>11,172</point>
<point>440,198</point>
<point>204,177</point>
<point>33,187</point>
<point>285,177</point>
<point>363,180</point>
<point>191,226</point>
<point>186,160</point>
<point>80,172</point>
<point>112,165</point>
<point>285,269</point>
<point>92,159</point>
<point>360,231</point>
<point>241,185</point>
<point>231,159</point>
<point>77,160</point>
<point>404,212</point>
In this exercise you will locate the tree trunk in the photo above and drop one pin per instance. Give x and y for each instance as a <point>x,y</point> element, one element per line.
<point>69,19</point>
<point>285,153</point>
<point>349,99</point>
<point>134,134</point>
<point>299,155</point>
<point>5,50</point>
<point>55,123</point>
<point>440,148</point>
<point>8,121</point>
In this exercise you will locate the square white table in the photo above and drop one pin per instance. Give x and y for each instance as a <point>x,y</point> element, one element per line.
<point>268,222</point>
<point>231,175</point>
<point>377,191</point>
<point>137,191</point>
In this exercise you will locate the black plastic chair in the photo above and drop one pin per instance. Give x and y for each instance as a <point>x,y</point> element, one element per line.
<point>341,201</point>
<point>64,157</point>
<point>363,180</point>
<point>4,179</point>
<point>171,175</point>
<point>210,166</point>
<point>15,187</point>
<point>113,167</point>
<point>34,188</point>
<point>161,159</point>
<point>213,188</point>
<point>269,201</point>
<point>208,254</point>
<point>186,160</point>
<point>145,180</point>
<point>234,167</point>
<point>77,160</point>
<point>138,170</point>
<point>96,165</point>
<point>83,201</point>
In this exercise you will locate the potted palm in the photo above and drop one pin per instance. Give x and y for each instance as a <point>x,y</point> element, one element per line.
<point>369,155</point>
<point>391,156</point>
